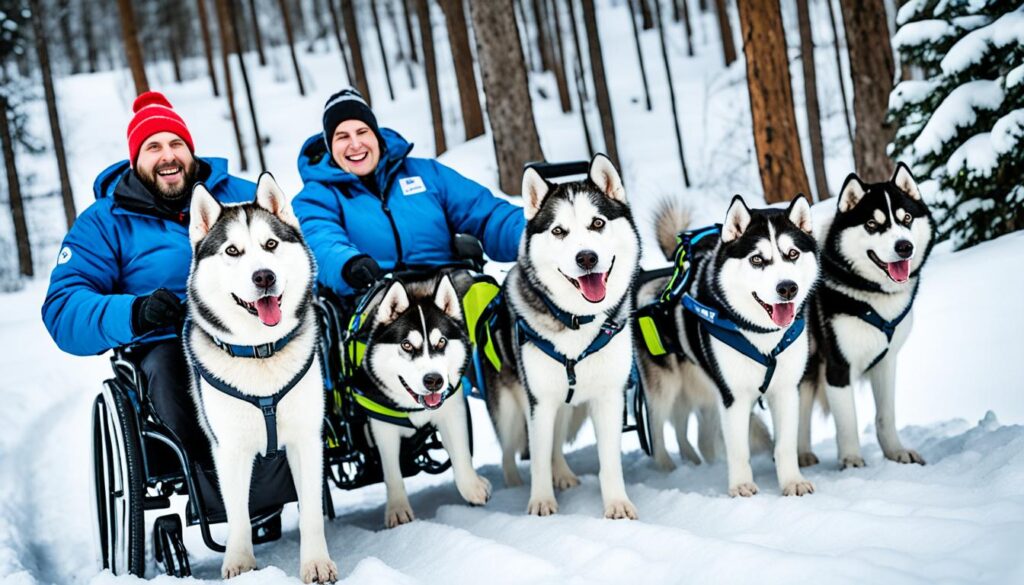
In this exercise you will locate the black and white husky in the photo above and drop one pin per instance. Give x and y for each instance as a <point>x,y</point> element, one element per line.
<point>872,255</point>
<point>740,325</point>
<point>252,346</point>
<point>415,357</point>
<point>569,298</point>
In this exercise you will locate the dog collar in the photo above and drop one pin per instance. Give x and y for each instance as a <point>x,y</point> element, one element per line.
<point>261,351</point>
<point>392,413</point>
<point>564,317</point>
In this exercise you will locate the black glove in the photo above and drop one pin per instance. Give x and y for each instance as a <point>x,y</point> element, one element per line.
<point>361,271</point>
<point>154,311</point>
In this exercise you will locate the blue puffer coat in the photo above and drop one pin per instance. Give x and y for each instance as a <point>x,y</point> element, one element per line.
<point>123,246</point>
<point>424,204</point>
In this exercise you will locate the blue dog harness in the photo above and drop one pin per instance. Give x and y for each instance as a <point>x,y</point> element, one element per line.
<point>266,404</point>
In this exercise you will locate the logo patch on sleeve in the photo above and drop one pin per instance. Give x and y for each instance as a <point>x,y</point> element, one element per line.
<point>64,256</point>
<point>412,185</point>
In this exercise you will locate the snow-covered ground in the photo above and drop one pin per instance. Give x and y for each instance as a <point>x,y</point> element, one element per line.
<point>958,519</point>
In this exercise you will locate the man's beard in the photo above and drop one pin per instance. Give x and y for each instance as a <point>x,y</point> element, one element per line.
<point>169,192</point>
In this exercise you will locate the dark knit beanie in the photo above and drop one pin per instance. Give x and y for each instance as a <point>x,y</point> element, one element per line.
<point>348,104</point>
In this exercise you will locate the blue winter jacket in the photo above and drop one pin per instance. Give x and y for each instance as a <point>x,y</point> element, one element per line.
<point>423,204</point>
<point>123,246</point>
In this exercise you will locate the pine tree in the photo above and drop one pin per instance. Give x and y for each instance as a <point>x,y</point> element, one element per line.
<point>963,126</point>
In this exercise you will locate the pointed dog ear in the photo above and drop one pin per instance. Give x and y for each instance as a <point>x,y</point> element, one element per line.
<point>447,299</point>
<point>535,189</point>
<point>394,303</point>
<point>905,182</point>
<point>737,219</point>
<point>800,214</point>
<point>607,179</point>
<point>851,193</point>
<point>269,196</point>
<point>203,213</point>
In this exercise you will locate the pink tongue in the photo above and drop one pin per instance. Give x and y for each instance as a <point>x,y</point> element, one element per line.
<point>432,399</point>
<point>269,310</point>
<point>592,286</point>
<point>783,314</point>
<point>899,271</point>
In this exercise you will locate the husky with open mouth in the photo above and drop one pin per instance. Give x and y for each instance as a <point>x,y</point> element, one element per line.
<point>872,255</point>
<point>251,342</point>
<point>416,354</point>
<point>567,334</point>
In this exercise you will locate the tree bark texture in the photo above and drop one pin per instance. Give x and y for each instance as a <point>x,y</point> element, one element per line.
<point>233,16</point>
<point>348,15</point>
<point>383,52</point>
<point>257,35</point>
<point>645,13</point>
<point>407,11</point>
<point>336,24</point>
<point>671,93</point>
<point>771,101</point>
<point>686,25</point>
<point>839,70</point>
<point>505,87</point>
<point>558,56</point>
<point>462,57</point>
<point>430,70</point>
<point>543,43</point>
<point>131,46</point>
<point>204,29</point>
<point>92,55</point>
<point>725,31</point>
<point>633,9</point>
<point>604,102</point>
<point>811,97</point>
<point>227,45</point>
<point>14,191</point>
<point>287,21</point>
<point>872,69</point>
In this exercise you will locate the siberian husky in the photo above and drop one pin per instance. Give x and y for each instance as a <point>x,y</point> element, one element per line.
<point>569,298</point>
<point>415,357</point>
<point>743,303</point>
<point>252,347</point>
<point>872,255</point>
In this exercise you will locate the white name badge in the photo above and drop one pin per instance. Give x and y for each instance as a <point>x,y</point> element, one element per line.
<point>412,185</point>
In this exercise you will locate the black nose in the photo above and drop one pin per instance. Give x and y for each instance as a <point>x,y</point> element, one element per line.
<point>787,289</point>
<point>433,382</point>
<point>263,278</point>
<point>587,259</point>
<point>905,248</point>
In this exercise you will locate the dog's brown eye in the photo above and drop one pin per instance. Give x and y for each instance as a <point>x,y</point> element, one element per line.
<point>872,225</point>
<point>441,343</point>
<point>558,232</point>
<point>232,251</point>
<point>270,245</point>
<point>793,254</point>
<point>908,219</point>
<point>757,260</point>
<point>597,224</point>
<point>407,346</point>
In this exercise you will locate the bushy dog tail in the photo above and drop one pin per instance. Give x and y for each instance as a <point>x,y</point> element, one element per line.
<point>670,218</point>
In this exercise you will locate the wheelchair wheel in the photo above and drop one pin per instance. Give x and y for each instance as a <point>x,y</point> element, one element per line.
<point>119,482</point>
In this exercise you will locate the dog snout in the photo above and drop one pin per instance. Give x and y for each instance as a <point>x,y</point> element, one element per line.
<point>905,249</point>
<point>433,381</point>
<point>586,259</point>
<point>787,290</point>
<point>264,278</point>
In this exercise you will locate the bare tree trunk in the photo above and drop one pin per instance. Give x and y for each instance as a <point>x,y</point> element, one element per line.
<point>407,11</point>
<point>92,56</point>
<point>336,22</point>
<point>506,88</point>
<point>233,17</point>
<point>645,13</point>
<point>172,32</point>
<point>839,70</point>
<point>811,93</point>
<point>403,56</point>
<point>67,37</point>
<point>604,102</point>
<point>204,28</point>
<point>872,70</point>
<point>686,25</point>
<point>131,46</point>
<point>291,43</point>
<point>671,92</point>
<point>582,88</point>
<point>543,43</point>
<point>725,31</point>
<point>383,53</point>
<point>559,57</point>
<point>51,107</point>
<point>14,190</point>
<point>348,15</point>
<point>227,45</point>
<point>639,53</point>
<point>257,35</point>
<point>524,39</point>
<point>462,57</point>
<point>580,84</point>
<point>771,101</point>
<point>430,71</point>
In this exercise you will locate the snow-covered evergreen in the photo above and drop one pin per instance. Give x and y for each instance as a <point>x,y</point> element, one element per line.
<point>963,126</point>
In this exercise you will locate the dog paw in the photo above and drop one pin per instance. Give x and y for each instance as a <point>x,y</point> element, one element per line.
<point>745,489</point>
<point>906,456</point>
<point>476,491</point>
<point>322,570</point>
<point>851,461</point>
<point>565,480</point>
<point>664,463</point>
<point>807,459</point>
<point>542,507</point>
<point>800,487</point>
<point>236,563</point>
<point>397,514</point>
<point>620,510</point>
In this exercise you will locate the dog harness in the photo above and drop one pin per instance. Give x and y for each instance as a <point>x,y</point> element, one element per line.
<point>255,351</point>
<point>266,404</point>
<point>391,413</point>
<point>867,313</point>
<point>526,334</point>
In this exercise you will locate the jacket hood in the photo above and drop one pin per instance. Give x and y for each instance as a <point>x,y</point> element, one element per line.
<point>317,166</point>
<point>122,184</point>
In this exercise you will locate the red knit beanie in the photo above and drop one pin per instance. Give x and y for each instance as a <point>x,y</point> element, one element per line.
<point>153,114</point>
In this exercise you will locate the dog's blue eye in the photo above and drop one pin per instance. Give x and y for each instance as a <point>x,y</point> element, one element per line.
<point>232,251</point>
<point>558,231</point>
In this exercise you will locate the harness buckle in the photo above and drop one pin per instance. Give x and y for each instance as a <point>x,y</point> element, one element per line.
<point>268,407</point>
<point>263,351</point>
<point>570,371</point>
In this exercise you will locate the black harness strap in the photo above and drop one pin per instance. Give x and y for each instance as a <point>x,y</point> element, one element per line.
<point>865,312</point>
